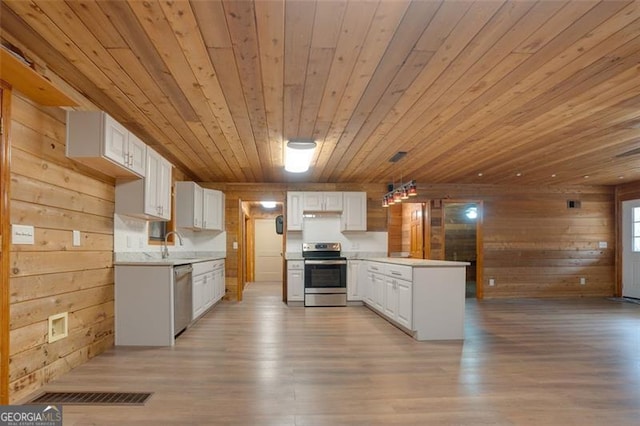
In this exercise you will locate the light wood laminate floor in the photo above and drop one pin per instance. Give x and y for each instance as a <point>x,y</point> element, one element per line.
<point>259,362</point>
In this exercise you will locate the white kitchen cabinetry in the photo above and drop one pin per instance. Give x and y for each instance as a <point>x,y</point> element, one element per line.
<point>354,212</point>
<point>375,292</point>
<point>212,210</point>
<point>322,201</point>
<point>295,280</point>
<point>424,298</point>
<point>144,305</point>
<point>219,285</point>
<point>189,205</point>
<point>208,285</point>
<point>94,138</point>
<point>150,197</point>
<point>199,208</point>
<point>294,211</point>
<point>404,311</point>
<point>355,282</point>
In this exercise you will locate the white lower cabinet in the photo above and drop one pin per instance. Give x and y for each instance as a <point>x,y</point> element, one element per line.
<point>295,280</point>
<point>208,285</point>
<point>219,284</point>
<point>198,295</point>
<point>390,303</point>
<point>404,311</point>
<point>355,281</point>
<point>378,292</point>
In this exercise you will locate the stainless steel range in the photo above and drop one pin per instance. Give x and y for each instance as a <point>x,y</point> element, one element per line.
<point>325,275</point>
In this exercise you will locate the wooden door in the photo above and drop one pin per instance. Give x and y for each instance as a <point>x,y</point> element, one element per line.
<point>5,240</point>
<point>416,232</point>
<point>631,249</point>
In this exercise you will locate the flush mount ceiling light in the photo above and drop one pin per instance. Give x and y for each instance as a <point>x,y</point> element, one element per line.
<point>472,213</point>
<point>298,155</point>
<point>268,204</point>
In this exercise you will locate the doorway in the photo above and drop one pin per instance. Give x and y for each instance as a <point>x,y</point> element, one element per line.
<point>267,251</point>
<point>259,245</point>
<point>462,240</point>
<point>631,249</point>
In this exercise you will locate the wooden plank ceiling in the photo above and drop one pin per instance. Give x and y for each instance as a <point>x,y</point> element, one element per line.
<point>502,92</point>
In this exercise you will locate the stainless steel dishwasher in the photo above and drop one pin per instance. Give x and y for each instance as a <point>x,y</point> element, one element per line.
<point>182,297</point>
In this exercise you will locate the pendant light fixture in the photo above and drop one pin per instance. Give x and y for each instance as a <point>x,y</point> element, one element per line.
<point>400,193</point>
<point>404,191</point>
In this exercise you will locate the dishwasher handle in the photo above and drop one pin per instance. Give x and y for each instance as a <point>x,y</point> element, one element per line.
<point>180,271</point>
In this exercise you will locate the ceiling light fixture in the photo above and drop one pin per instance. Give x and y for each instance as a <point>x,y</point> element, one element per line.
<point>268,204</point>
<point>402,192</point>
<point>472,213</point>
<point>298,156</point>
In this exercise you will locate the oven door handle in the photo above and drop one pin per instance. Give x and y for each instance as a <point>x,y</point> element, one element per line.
<point>325,262</point>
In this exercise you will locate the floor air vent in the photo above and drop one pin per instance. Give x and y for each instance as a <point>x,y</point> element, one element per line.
<point>92,398</point>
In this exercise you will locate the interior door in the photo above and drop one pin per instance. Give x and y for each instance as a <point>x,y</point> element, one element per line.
<point>631,249</point>
<point>268,251</point>
<point>416,227</point>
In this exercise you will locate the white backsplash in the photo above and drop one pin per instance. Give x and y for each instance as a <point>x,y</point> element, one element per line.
<point>327,229</point>
<point>131,235</point>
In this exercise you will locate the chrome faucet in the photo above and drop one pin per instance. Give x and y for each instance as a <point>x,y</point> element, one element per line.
<point>165,249</point>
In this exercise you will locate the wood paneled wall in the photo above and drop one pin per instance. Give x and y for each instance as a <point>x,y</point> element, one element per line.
<point>534,246</point>
<point>236,192</point>
<point>56,196</point>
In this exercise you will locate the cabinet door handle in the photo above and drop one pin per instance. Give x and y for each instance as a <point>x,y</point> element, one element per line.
<point>396,273</point>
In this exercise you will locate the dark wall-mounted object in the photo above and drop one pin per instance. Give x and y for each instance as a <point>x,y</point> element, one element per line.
<point>279,224</point>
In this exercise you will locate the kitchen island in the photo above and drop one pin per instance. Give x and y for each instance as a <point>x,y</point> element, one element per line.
<point>424,298</point>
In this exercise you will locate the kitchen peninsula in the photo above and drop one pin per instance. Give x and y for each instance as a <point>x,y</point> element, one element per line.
<point>424,298</point>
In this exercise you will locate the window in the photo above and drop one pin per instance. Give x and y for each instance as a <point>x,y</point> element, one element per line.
<point>157,230</point>
<point>636,229</point>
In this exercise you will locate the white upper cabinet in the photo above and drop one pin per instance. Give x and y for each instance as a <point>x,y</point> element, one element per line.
<point>149,198</point>
<point>322,201</point>
<point>199,208</point>
<point>94,138</point>
<point>354,212</point>
<point>294,211</point>
<point>137,151</point>
<point>213,210</point>
<point>189,205</point>
<point>158,186</point>
<point>352,206</point>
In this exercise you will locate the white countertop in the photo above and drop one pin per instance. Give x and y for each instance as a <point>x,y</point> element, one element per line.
<point>164,262</point>
<point>417,263</point>
<point>174,259</point>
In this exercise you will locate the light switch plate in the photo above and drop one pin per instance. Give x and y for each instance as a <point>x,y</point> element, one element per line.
<point>22,234</point>
<point>602,244</point>
<point>76,238</point>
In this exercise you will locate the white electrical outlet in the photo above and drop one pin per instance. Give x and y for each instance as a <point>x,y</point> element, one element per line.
<point>492,282</point>
<point>602,244</point>
<point>583,280</point>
